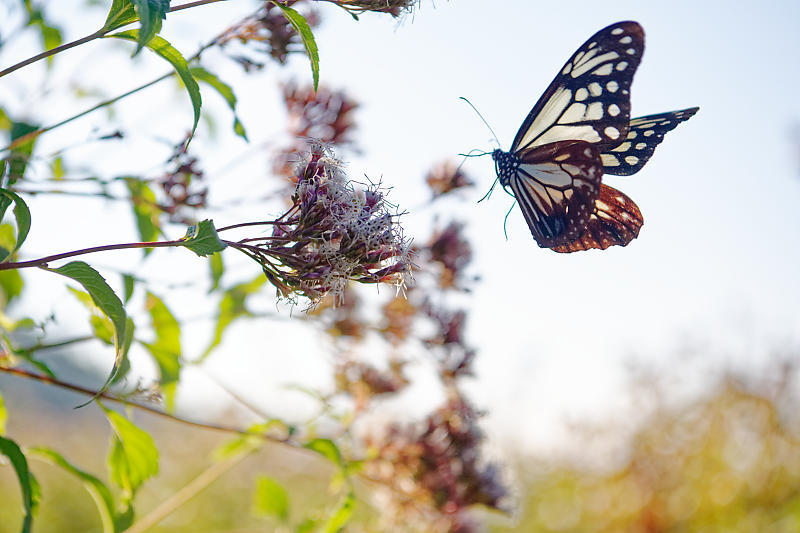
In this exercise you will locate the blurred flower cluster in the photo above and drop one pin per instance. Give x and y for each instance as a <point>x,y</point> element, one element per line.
<point>266,33</point>
<point>333,233</point>
<point>433,472</point>
<point>324,115</point>
<point>446,177</point>
<point>184,186</point>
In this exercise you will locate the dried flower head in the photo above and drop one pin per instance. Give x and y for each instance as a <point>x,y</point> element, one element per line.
<point>363,381</point>
<point>393,7</point>
<point>334,233</point>
<point>446,177</point>
<point>450,249</point>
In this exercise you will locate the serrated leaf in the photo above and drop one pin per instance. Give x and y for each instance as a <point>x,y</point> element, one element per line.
<point>100,493</point>
<point>28,485</point>
<point>203,239</point>
<point>166,349</point>
<point>121,13</point>
<point>145,210</point>
<point>271,499</point>
<point>107,301</point>
<point>233,305</point>
<point>161,47</point>
<point>133,456</point>
<point>151,13</point>
<point>225,90</point>
<point>217,269</point>
<point>342,515</point>
<point>300,25</point>
<point>23,217</point>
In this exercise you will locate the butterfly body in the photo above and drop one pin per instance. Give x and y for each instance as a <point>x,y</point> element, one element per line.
<point>579,129</point>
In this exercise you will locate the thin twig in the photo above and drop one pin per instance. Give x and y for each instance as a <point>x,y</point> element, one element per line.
<point>137,405</point>
<point>42,261</point>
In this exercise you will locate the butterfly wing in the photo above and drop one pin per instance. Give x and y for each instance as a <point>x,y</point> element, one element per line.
<point>644,135</point>
<point>556,187</point>
<point>615,221</point>
<point>589,99</point>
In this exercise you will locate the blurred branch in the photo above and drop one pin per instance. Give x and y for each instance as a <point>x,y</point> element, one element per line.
<point>144,407</point>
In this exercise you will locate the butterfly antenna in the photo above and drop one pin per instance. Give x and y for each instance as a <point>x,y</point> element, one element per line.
<point>505,220</point>
<point>483,119</point>
<point>488,194</point>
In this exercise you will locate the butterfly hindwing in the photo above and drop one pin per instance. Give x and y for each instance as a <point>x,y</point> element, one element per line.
<point>556,187</point>
<point>589,99</point>
<point>644,135</point>
<point>615,221</point>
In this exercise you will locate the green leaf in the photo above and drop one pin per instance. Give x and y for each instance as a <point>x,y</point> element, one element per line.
<point>23,216</point>
<point>108,302</point>
<point>121,13</point>
<point>3,416</point>
<point>100,493</point>
<point>271,499</point>
<point>102,327</point>
<point>217,269</point>
<point>151,13</point>
<point>251,442</point>
<point>129,283</point>
<point>17,160</point>
<point>133,457</point>
<point>225,90</point>
<point>328,449</point>
<point>28,484</point>
<point>232,306</point>
<point>145,210</point>
<point>342,515</point>
<point>166,349</point>
<point>300,25</point>
<point>161,47</point>
<point>203,239</point>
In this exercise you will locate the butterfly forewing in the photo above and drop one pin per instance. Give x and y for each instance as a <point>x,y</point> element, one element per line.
<point>615,221</point>
<point>556,187</point>
<point>589,99</point>
<point>644,135</point>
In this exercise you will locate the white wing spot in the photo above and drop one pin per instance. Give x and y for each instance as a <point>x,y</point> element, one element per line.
<point>617,31</point>
<point>562,157</point>
<point>587,152</point>
<point>605,70</point>
<point>595,111</point>
<point>614,110</point>
<point>595,89</point>
<point>566,69</point>
<point>592,45</point>
<point>631,159</point>
<point>641,146</point>
<point>649,133</point>
<point>600,204</point>
<point>622,65</point>
<point>581,94</point>
<point>630,51</point>
<point>631,134</point>
<point>612,86</point>
<point>609,160</point>
<point>591,60</point>
<point>624,147</point>
<point>611,132</point>
<point>627,39</point>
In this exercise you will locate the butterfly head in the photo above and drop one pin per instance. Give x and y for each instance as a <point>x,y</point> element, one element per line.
<point>506,164</point>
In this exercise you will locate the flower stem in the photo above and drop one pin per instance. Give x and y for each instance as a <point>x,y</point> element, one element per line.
<point>42,261</point>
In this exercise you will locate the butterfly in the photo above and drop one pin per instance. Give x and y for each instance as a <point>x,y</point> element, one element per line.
<point>579,130</point>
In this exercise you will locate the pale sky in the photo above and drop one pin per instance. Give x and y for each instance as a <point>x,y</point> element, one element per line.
<point>716,260</point>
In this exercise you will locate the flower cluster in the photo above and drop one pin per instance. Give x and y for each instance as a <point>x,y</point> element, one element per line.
<point>183,186</point>
<point>446,177</point>
<point>325,115</point>
<point>433,472</point>
<point>269,33</point>
<point>332,234</point>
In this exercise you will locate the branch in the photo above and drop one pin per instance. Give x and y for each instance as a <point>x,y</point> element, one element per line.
<point>42,261</point>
